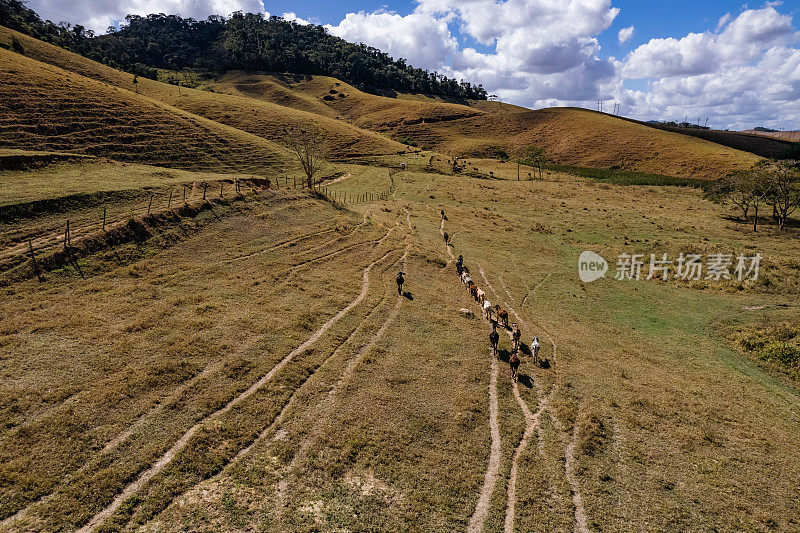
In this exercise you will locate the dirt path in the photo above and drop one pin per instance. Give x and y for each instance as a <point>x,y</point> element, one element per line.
<point>532,424</point>
<point>530,291</point>
<point>165,459</point>
<point>478,517</point>
<point>337,180</point>
<point>164,403</point>
<point>577,499</point>
<point>449,249</point>
<point>289,405</point>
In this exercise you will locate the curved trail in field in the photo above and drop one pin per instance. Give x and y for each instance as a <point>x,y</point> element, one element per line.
<point>449,250</point>
<point>478,517</point>
<point>531,424</point>
<point>336,180</point>
<point>530,291</point>
<point>165,459</point>
<point>281,244</point>
<point>483,505</point>
<point>290,403</point>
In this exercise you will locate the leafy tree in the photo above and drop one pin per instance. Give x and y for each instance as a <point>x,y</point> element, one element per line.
<point>776,184</point>
<point>783,182</point>
<point>534,156</point>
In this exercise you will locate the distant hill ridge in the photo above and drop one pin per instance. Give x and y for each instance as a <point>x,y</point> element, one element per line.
<point>243,41</point>
<point>238,122</point>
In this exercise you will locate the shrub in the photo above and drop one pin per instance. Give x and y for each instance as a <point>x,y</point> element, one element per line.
<point>781,352</point>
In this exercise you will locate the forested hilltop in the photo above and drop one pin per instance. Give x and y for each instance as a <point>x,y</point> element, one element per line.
<point>241,42</point>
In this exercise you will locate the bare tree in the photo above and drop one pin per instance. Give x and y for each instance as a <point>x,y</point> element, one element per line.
<point>308,147</point>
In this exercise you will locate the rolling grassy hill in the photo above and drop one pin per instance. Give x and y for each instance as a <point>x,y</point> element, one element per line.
<point>581,137</point>
<point>263,118</point>
<point>362,109</point>
<point>354,123</point>
<point>246,362</point>
<point>43,107</point>
<point>479,128</point>
<point>748,141</point>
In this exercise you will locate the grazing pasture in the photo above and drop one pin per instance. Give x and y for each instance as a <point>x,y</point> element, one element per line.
<point>228,353</point>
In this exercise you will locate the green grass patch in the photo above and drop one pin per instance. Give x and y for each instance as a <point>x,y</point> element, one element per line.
<point>628,177</point>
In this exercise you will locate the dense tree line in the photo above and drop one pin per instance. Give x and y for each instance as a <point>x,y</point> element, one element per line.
<point>241,42</point>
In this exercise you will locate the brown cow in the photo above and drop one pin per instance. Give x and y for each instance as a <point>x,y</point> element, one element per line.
<point>494,340</point>
<point>516,335</point>
<point>502,316</point>
<point>473,290</point>
<point>514,362</point>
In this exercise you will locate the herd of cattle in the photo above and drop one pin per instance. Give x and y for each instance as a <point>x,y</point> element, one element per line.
<point>496,315</point>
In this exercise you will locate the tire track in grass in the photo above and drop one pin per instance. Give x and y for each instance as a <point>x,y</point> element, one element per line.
<point>290,403</point>
<point>447,246</point>
<point>173,396</point>
<point>531,421</point>
<point>483,505</point>
<point>284,243</point>
<point>167,457</point>
<point>327,403</point>
<point>481,512</point>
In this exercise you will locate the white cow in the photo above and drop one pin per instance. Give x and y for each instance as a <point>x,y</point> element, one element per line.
<point>535,349</point>
<point>487,309</point>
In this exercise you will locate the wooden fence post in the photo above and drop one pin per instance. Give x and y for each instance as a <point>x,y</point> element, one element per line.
<point>169,202</point>
<point>104,218</point>
<point>205,188</point>
<point>221,183</point>
<point>184,193</point>
<point>66,236</point>
<point>35,264</point>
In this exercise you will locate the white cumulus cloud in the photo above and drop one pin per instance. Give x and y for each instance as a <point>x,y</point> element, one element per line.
<point>423,40</point>
<point>745,75</point>
<point>625,34</point>
<point>97,15</point>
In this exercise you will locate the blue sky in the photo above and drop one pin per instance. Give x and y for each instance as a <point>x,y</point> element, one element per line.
<point>737,63</point>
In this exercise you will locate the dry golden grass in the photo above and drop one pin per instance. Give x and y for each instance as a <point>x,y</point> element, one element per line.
<point>43,107</point>
<point>256,116</point>
<point>365,110</point>
<point>267,104</point>
<point>650,416</point>
<point>82,176</point>
<point>669,427</point>
<point>582,138</point>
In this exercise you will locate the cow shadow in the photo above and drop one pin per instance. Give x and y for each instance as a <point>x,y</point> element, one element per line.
<point>525,380</point>
<point>407,295</point>
<point>544,363</point>
<point>524,348</point>
<point>503,355</point>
